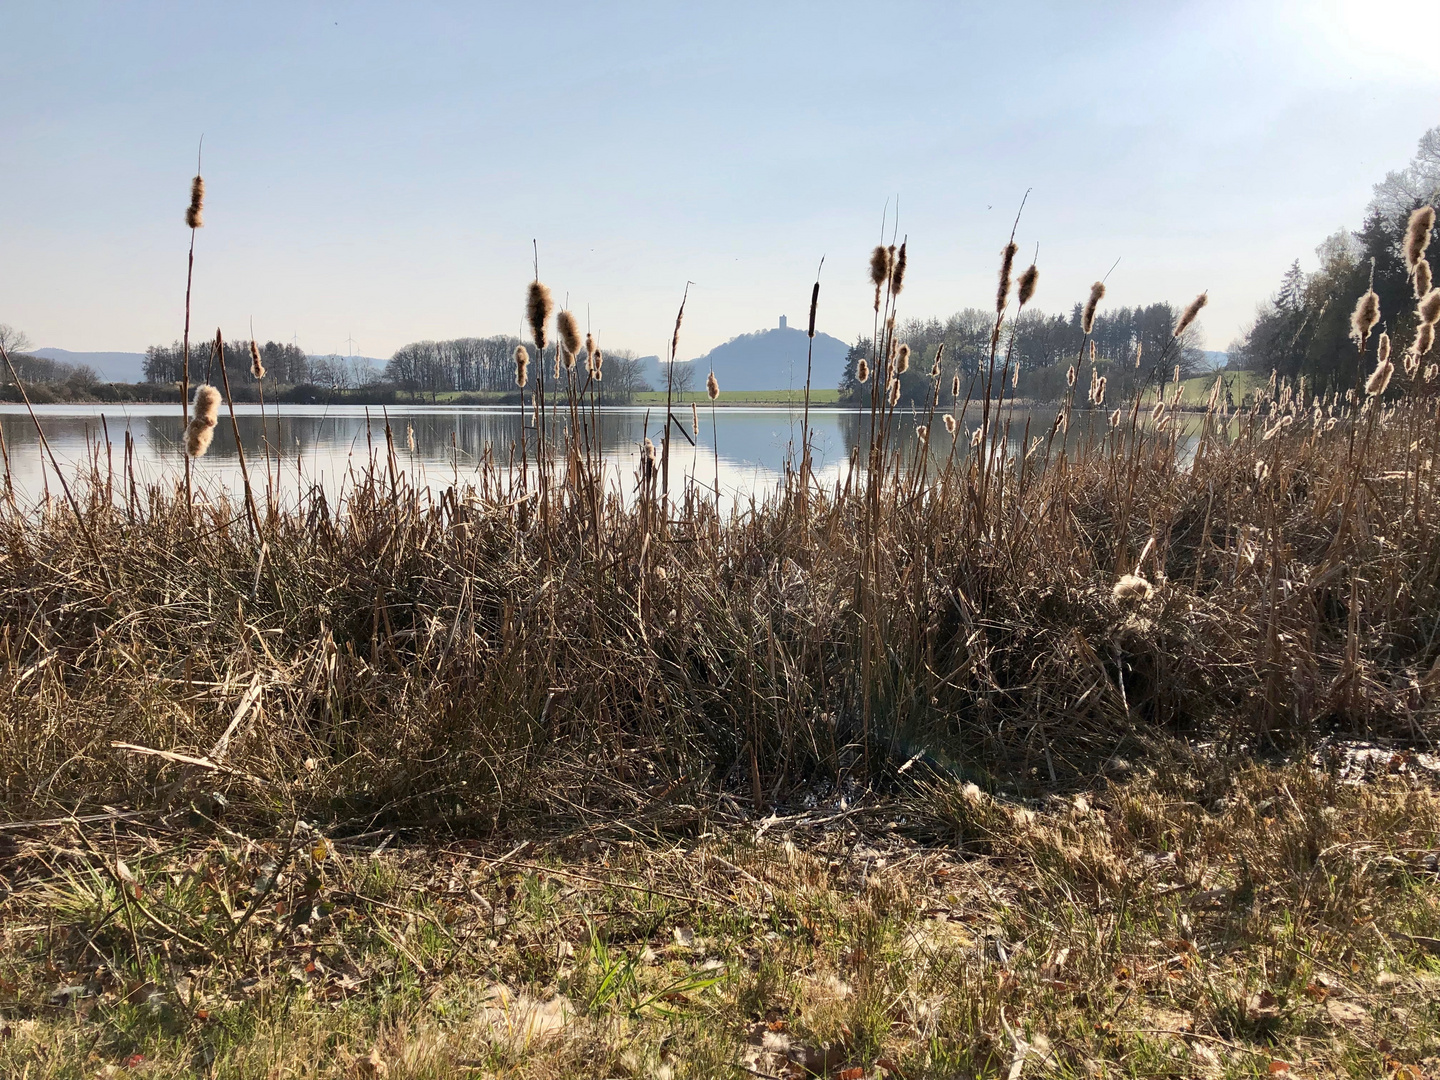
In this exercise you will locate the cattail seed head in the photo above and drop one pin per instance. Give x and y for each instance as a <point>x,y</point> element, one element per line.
<point>538,306</point>
<point>1382,349</point>
<point>1422,278</point>
<point>1028,281</point>
<point>897,274</point>
<point>902,360</point>
<point>1424,339</point>
<point>1157,412</point>
<point>1417,235</point>
<point>195,217</point>
<point>894,392</point>
<point>978,436</point>
<point>814,304</point>
<point>712,388</point>
<point>694,420</point>
<point>569,331</point>
<point>1092,350</point>
<point>1188,315</point>
<point>197,438</point>
<point>955,386</point>
<point>1428,310</point>
<point>1100,391</point>
<point>922,433</point>
<point>949,423</point>
<point>1132,589</point>
<point>879,265</point>
<point>1087,320</point>
<point>1115,419</point>
<point>1365,316</point>
<point>410,437</point>
<point>206,405</point>
<point>257,369</point>
<point>1379,379</point>
<point>1070,376</point>
<point>862,370</point>
<point>201,427</point>
<point>522,366</point>
<point>1007,266</point>
<point>1015,377</point>
<point>1177,373</point>
<point>935,369</point>
<point>1431,370</point>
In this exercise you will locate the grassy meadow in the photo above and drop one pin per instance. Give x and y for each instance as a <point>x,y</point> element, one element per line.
<point>1078,760</point>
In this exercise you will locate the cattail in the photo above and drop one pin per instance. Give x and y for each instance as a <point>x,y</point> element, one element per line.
<point>1115,419</point>
<point>894,392</point>
<point>1157,412</point>
<point>538,306</point>
<point>712,387</point>
<point>1007,264</point>
<point>1366,315</point>
<point>1070,376</point>
<point>1139,348</point>
<point>902,360</point>
<point>597,361</point>
<point>1422,278</point>
<point>1428,310</point>
<point>862,371</point>
<point>1177,373</point>
<point>648,452</point>
<point>1097,293</point>
<point>935,369</point>
<point>977,437</point>
<point>410,437</point>
<point>1382,348</point>
<point>1424,339</point>
<point>1188,316</point>
<point>1059,421</point>
<point>1028,280</point>
<point>195,218</point>
<point>257,369</point>
<point>1430,372</point>
<point>1262,470</point>
<point>897,275</point>
<point>569,331</point>
<point>922,433</point>
<point>814,304</point>
<point>1379,379</point>
<point>955,386</point>
<point>522,366</point>
<point>694,420</point>
<point>1015,376</point>
<point>1100,391</point>
<point>203,414</point>
<point>1132,589</point>
<point>949,423</point>
<point>1417,236</point>
<point>1092,351</point>
<point>879,270</point>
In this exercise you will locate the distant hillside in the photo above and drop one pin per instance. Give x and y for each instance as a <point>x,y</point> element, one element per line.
<point>765,360</point>
<point>126,367</point>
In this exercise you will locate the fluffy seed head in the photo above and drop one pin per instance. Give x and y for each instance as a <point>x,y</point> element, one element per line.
<point>206,405</point>
<point>712,387</point>
<point>1428,310</point>
<point>694,420</point>
<point>897,275</point>
<point>410,437</point>
<point>1097,293</point>
<point>1424,339</point>
<point>949,423</point>
<point>1007,266</point>
<point>522,366</point>
<point>922,433</point>
<point>955,386</point>
<point>1092,351</point>
<point>1417,235</point>
<point>1157,412</point>
<point>1188,315</point>
<point>538,306</point>
<point>1431,370</point>
<point>879,265</point>
<point>1365,316</point>
<point>894,392</point>
<point>195,216</point>
<point>1382,349</point>
<point>902,360</point>
<point>197,437</point>
<point>1028,280</point>
<point>1115,419</point>
<point>569,331</point>
<point>1132,589</point>
<point>1070,376</point>
<point>1379,379</point>
<point>1100,391</point>
<point>257,369</point>
<point>1422,278</point>
<point>862,370</point>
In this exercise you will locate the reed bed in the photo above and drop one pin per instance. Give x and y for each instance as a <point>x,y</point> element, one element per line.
<point>527,642</point>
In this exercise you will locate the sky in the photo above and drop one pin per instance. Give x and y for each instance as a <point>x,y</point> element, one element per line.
<point>377,173</point>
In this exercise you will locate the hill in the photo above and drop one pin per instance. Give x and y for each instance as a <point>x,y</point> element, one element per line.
<point>771,359</point>
<point>125,367</point>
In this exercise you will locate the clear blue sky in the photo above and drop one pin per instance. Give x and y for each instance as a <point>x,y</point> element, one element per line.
<point>380,170</point>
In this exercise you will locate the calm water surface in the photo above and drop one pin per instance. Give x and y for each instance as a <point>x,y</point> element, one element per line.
<point>324,446</point>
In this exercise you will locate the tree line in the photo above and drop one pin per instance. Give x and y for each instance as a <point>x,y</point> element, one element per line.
<point>287,365</point>
<point>1044,348</point>
<point>1304,329</point>
<point>488,365</point>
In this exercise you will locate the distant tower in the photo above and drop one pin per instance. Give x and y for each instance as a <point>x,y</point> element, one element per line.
<point>783,324</point>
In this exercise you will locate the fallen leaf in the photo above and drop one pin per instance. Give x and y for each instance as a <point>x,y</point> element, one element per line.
<point>890,1067</point>
<point>1346,1012</point>
<point>854,1073</point>
<point>1277,1066</point>
<point>1315,992</point>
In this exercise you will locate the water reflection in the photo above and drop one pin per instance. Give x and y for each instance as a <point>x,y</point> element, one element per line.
<point>437,444</point>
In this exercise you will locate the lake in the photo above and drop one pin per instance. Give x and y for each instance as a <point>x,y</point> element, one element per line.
<point>320,445</point>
